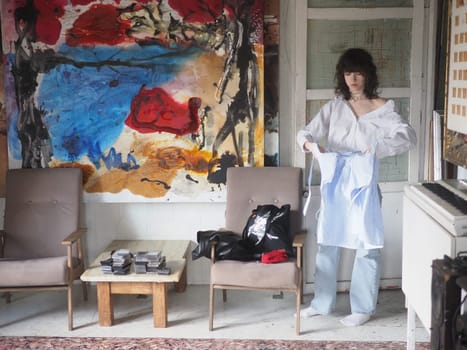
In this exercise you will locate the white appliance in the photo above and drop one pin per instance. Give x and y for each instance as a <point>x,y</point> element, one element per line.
<point>432,227</point>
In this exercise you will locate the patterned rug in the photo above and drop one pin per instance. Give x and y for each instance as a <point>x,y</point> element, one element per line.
<point>46,343</point>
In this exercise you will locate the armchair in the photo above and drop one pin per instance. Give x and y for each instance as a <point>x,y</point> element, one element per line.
<point>40,246</point>
<point>246,189</point>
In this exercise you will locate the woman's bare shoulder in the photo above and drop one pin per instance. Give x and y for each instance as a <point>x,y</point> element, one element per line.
<point>378,102</point>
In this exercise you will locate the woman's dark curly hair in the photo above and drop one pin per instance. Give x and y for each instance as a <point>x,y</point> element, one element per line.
<point>356,60</point>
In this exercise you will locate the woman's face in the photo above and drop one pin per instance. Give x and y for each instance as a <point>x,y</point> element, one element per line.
<point>355,81</point>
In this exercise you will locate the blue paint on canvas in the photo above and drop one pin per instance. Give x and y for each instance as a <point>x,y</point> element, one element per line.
<point>87,100</point>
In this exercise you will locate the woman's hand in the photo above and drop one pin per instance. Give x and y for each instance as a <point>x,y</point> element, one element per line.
<point>308,146</point>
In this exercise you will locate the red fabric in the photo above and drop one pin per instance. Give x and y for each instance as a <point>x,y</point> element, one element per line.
<point>274,256</point>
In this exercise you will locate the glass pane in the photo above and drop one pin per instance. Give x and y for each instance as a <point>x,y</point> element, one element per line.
<point>312,108</point>
<point>392,169</point>
<point>359,3</point>
<point>387,40</point>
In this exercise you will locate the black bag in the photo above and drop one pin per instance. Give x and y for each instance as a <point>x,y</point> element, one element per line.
<point>267,229</point>
<point>229,246</point>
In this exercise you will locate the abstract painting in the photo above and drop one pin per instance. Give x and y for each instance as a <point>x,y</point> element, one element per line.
<point>152,99</point>
<point>3,137</point>
<point>271,25</point>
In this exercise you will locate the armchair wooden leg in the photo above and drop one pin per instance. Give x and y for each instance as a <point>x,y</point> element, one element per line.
<point>70,306</point>
<point>299,301</point>
<point>84,285</point>
<point>301,278</point>
<point>297,313</point>
<point>211,306</point>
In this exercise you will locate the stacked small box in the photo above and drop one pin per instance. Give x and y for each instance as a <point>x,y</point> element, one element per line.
<point>141,262</point>
<point>151,262</point>
<point>106,265</point>
<point>121,262</point>
<point>155,260</point>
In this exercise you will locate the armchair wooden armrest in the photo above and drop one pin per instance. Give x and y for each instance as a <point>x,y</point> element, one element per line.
<point>299,242</point>
<point>74,237</point>
<point>299,239</point>
<point>213,246</point>
<point>2,242</point>
<point>213,252</point>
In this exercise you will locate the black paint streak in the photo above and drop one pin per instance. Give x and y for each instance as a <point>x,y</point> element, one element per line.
<point>245,105</point>
<point>157,182</point>
<point>32,130</point>
<point>219,175</point>
<point>188,177</point>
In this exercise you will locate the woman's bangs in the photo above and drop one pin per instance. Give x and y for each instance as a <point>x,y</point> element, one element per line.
<point>350,67</point>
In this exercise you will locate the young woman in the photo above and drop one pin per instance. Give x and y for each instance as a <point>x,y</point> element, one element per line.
<point>347,137</point>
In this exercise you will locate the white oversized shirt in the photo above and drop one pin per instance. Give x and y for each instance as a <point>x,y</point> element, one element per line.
<point>338,129</point>
<point>350,211</point>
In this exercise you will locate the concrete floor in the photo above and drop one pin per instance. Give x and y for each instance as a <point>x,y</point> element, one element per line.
<point>246,315</point>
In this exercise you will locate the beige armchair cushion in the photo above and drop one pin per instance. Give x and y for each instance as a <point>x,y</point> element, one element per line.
<point>33,272</point>
<point>247,274</point>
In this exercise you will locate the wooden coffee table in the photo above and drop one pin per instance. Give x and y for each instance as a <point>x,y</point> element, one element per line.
<point>107,284</point>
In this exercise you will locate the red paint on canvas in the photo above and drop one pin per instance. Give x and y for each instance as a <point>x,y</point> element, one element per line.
<point>154,110</point>
<point>198,11</point>
<point>100,25</point>
<point>48,24</point>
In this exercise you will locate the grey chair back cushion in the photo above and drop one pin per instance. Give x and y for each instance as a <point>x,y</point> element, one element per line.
<point>41,209</point>
<point>249,187</point>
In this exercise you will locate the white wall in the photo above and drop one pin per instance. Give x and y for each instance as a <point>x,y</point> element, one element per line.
<point>106,222</point>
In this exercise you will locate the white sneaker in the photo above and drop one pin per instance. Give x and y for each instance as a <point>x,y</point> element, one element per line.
<point>309,312</point>
<point>355,319</point>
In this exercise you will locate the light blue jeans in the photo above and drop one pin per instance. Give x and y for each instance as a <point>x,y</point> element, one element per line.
<point>364,285</point>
